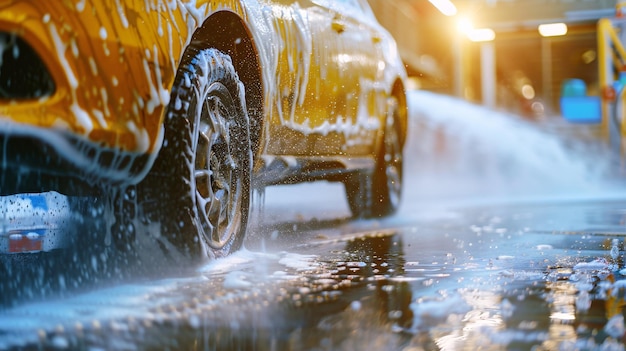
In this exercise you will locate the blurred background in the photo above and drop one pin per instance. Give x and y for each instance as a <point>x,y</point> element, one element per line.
<point>514,55</point>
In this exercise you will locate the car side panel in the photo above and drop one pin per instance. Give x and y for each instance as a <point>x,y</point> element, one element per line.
<point>114,63</point>
<point>332,88</point>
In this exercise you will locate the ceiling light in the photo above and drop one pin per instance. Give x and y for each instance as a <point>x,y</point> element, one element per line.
<point>552,29</point>
<point>444,6</point>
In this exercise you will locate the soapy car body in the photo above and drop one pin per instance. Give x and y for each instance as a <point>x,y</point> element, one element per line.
<point>193,104</point>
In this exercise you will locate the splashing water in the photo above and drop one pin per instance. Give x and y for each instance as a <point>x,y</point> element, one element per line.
<point>458,149</point>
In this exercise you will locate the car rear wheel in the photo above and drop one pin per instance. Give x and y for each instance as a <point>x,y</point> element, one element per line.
<point>203,169</point>
<point>378,194</point>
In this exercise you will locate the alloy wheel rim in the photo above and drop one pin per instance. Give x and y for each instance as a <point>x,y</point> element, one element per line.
<point>218,183</point>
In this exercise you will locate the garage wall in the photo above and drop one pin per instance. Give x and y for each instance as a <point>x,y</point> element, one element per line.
<point>401,19</point>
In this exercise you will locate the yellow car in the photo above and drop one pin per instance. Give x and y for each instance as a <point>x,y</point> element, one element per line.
<point>185,106</point>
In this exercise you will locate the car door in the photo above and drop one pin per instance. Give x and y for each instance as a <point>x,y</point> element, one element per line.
<point>358,61</point>
<point>327,69</point>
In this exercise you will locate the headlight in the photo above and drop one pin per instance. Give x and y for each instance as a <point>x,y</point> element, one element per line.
<point>23,75</point>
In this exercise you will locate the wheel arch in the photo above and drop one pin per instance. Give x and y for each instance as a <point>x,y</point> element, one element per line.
<point>227,31</point>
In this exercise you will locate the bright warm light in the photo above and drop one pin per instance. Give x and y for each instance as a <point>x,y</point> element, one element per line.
<point>464,25</point>
<point>528,92</point>
<point>444,6</point>
<point>552,29</point>
<point>483,34</point>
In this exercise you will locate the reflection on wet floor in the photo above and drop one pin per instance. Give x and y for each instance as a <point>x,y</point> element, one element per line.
<point>477,286</point>
<point>295,301</point>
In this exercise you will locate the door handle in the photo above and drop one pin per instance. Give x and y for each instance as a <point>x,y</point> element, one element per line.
<point>338,27</point>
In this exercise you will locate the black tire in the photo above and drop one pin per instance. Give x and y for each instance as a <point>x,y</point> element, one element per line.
<point>378,194</point>
<point>200,182</point>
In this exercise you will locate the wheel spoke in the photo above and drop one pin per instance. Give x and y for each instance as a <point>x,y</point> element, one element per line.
<point>203,173</point>
<point>216,172</point>
<point>214,214</point>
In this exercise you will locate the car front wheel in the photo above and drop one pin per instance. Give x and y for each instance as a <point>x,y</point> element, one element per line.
<point>201,178</point>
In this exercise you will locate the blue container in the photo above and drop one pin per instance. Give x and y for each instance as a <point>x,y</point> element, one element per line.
<point>581,109</point>
<point>576,106</point>
<point>573,88</point>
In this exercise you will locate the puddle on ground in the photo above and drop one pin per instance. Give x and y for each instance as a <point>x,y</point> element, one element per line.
<point>468,289</point>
